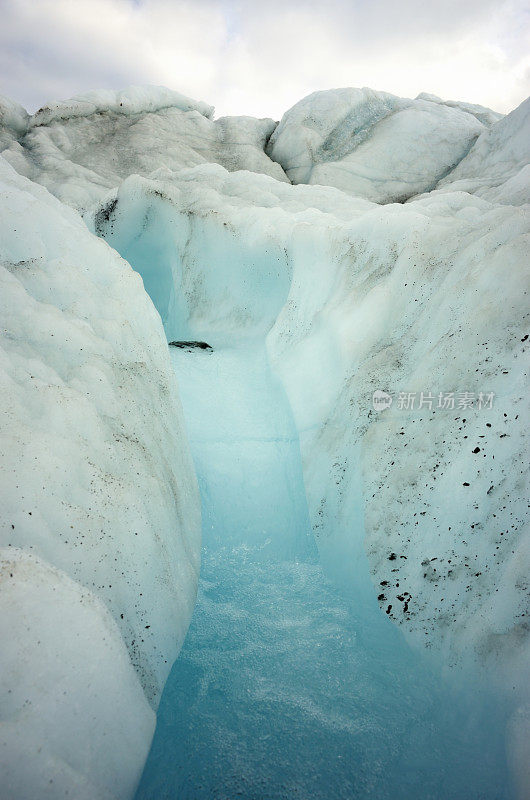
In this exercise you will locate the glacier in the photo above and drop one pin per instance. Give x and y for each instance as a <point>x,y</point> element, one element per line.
<point>361,622</point>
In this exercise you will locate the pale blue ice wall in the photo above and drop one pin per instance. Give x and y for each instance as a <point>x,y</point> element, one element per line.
<point>205,279</point>
<point>247,454</point>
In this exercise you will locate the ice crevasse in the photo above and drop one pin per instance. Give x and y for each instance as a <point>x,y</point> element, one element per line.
<point>382,275</point>
<point>330,292</point>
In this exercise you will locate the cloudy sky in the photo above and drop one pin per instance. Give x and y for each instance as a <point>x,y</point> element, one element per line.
<point>259,57</point>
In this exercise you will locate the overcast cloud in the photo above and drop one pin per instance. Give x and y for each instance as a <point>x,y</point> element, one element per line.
<point>259,58</point>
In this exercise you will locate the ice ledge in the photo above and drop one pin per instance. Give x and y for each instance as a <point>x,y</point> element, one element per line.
<point>134,100</point>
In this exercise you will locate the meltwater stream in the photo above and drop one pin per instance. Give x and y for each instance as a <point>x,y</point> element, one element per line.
<point>283,689</point>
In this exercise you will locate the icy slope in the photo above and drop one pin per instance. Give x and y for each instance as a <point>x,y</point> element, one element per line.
<point>497,166</point>
<point>80,148</point>
<point>98,487</point>
<point>373,144</point>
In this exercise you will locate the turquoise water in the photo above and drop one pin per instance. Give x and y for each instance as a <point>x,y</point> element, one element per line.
<point>285,688</point>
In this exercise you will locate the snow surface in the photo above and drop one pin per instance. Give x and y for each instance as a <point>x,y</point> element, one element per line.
<point>98,484</point>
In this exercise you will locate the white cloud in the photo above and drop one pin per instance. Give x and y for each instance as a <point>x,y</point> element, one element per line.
<point>258,58</point>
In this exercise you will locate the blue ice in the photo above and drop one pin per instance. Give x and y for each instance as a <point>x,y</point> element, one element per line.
<point>286,688</point>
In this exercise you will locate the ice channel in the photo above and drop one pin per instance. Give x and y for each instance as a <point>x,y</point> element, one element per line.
<point>283,689</point>
<point>286,686</point>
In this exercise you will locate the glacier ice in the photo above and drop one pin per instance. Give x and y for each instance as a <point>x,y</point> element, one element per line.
<point>483,114</point>
<point>372,144</point>
<point>81,148</point>
<point>380,299</point>
<point>246,452</point>
<point>377,298</point>
<point>97,484</point>
<point>75,719</point>
<point>394,264</point>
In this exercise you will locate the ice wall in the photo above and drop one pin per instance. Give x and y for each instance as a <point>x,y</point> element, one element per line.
<point>209,276</point>
<point>100,512</point>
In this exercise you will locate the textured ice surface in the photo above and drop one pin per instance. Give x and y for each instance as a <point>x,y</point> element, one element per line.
<point>497,166</point>
<point>13,121</point>
<point>131,101</point>
<point>75,720</point>
<point>373,144</point>
<point>81,148</point>
<point>97,482</point>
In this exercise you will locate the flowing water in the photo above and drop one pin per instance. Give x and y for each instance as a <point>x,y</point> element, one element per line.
<point>284,687</point>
